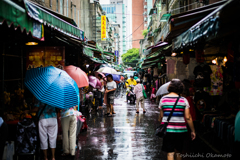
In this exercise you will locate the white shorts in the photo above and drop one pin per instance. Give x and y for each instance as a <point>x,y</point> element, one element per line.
<point>48,128</point>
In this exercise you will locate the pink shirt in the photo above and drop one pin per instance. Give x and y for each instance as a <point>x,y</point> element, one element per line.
<point>138,89</point>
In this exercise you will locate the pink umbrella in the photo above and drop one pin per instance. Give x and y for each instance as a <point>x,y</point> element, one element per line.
<point>94,82</point>
<point>78,75</point>
<point>104,77</point>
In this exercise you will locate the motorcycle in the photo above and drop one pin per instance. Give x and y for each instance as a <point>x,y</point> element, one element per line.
<point>131,95</point>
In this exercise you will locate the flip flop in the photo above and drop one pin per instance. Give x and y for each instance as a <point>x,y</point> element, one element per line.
<point>107,113</point>
<point>137,112</point>
<point>144,111</point>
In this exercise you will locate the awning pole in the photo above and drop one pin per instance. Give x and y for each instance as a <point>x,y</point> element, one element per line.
<point>3,61</point>
<point>22,65</point>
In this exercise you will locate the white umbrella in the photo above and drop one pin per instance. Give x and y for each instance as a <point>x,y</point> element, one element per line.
<point>108,70</point>
<point>163,89</point>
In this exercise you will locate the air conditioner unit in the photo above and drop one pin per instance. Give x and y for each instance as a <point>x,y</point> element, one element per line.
<point>145,19</point>
<point>145,6</point>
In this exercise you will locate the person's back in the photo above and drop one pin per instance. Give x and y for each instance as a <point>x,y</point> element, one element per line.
<point>177,122</point>
<point>138,90</point>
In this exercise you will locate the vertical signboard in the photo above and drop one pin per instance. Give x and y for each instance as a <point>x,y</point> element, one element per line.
<point>103,28</point>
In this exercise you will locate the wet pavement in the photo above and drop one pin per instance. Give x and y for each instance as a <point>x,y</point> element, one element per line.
<point>127,136</point>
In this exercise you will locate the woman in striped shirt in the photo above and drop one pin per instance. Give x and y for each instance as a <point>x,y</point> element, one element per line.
<point>177,127</point>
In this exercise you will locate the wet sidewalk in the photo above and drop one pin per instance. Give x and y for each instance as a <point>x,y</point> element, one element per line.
<point>126,135</point>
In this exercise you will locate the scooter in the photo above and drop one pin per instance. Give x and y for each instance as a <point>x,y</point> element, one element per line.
<point>130,94</point>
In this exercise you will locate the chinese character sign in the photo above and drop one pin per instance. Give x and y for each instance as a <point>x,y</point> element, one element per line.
<point>103,28</point>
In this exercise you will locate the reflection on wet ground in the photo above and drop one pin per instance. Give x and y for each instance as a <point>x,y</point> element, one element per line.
<point>126,135</point>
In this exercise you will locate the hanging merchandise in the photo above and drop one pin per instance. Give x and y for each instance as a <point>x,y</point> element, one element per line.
<point>181,69</point>
<point>199,54</point>
<point>191,66</point>
<point>216,81</point>
<point>202,74</point>
<point>155,72</point>
<point>186,58</point>
<point>171,63</point>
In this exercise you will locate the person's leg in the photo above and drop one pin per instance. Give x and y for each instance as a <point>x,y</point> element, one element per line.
<point>170,156</point>
<point>142,104</point>
<point>111,109</point>
<point>3,137</point>
<point>137,104</point>
<point>52,134</point>
<point>72,135</point>
<point>42,125</point>
<point>65,128</point>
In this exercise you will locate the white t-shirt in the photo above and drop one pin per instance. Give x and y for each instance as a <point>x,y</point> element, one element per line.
<point>111,85</point>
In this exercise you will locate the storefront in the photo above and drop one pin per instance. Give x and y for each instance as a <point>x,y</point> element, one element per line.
<point>206,59</point>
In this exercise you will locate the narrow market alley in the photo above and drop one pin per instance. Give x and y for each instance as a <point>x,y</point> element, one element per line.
<point>128,136</point>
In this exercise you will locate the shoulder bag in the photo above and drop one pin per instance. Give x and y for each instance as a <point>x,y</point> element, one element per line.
<point>144,93</point>
<point>161,131</point>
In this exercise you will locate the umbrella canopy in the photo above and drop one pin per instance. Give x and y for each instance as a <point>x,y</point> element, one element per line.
<point>115,77</point>
<point>163,89</point>
<point>78,75</point>
<point>108,70</point>
<point>94,82</point>
<point>52,86</point>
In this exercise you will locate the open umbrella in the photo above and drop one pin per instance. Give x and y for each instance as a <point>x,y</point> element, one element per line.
<point>115,77</point>
<point>78,75</point>
<point>163,89</point>
<point>94,82</point>
<point>52,86</point>
<point>108,70</point>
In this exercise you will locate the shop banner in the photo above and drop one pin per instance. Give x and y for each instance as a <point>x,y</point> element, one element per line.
<point>45,56</point>
<point>103,28</point>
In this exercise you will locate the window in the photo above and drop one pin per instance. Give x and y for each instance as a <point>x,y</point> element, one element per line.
<point>50,3</point>
<point>56,5</point>
<point>75,13</point>
<point>67,8</point>
<point>61,6</point>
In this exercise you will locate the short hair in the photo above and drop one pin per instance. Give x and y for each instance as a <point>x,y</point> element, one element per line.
<point>110,76</point>
<point>138,81</point>
<point>131,76</point>
<point>176,86</point>
<point>99,75</point>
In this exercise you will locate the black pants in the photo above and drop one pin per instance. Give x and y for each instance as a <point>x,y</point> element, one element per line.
<point>3,138</point>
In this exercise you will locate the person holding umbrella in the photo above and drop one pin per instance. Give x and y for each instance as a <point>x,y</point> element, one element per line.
<point>53,88</point>
<point>110,90</point>
<point>47,126</point>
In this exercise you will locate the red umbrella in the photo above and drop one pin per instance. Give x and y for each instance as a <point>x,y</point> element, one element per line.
<point>78,75</point>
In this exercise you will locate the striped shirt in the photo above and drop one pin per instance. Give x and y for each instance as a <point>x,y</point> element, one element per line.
<point>177,122</point>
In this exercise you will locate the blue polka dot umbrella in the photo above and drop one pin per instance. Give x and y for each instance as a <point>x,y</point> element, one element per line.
<point>53,86</point>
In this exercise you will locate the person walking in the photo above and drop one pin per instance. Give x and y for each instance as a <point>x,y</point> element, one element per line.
<point>100,77</point>
<point>176,128</point>
<point>110,90</point>
<point>69,129</point>
<point>138,90</point>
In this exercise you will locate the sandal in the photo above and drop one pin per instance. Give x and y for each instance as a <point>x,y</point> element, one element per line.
<point>107,113</point>
<point>144,111</point>
<point>137,112</point>
<point>114,113</point>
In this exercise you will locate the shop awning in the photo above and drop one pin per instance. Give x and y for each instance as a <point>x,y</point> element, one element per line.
<point>108,53</point>
<point>88,52</point>
<point>45,17</point>
<point>15,15</point>
<point>220,22</point>
<point>179,23</point>
<point>165,17</point>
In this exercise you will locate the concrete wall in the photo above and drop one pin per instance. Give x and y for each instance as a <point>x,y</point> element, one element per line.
<point>137,22</point>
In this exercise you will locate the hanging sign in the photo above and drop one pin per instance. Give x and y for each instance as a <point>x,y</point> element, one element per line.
<point>103,28</point>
